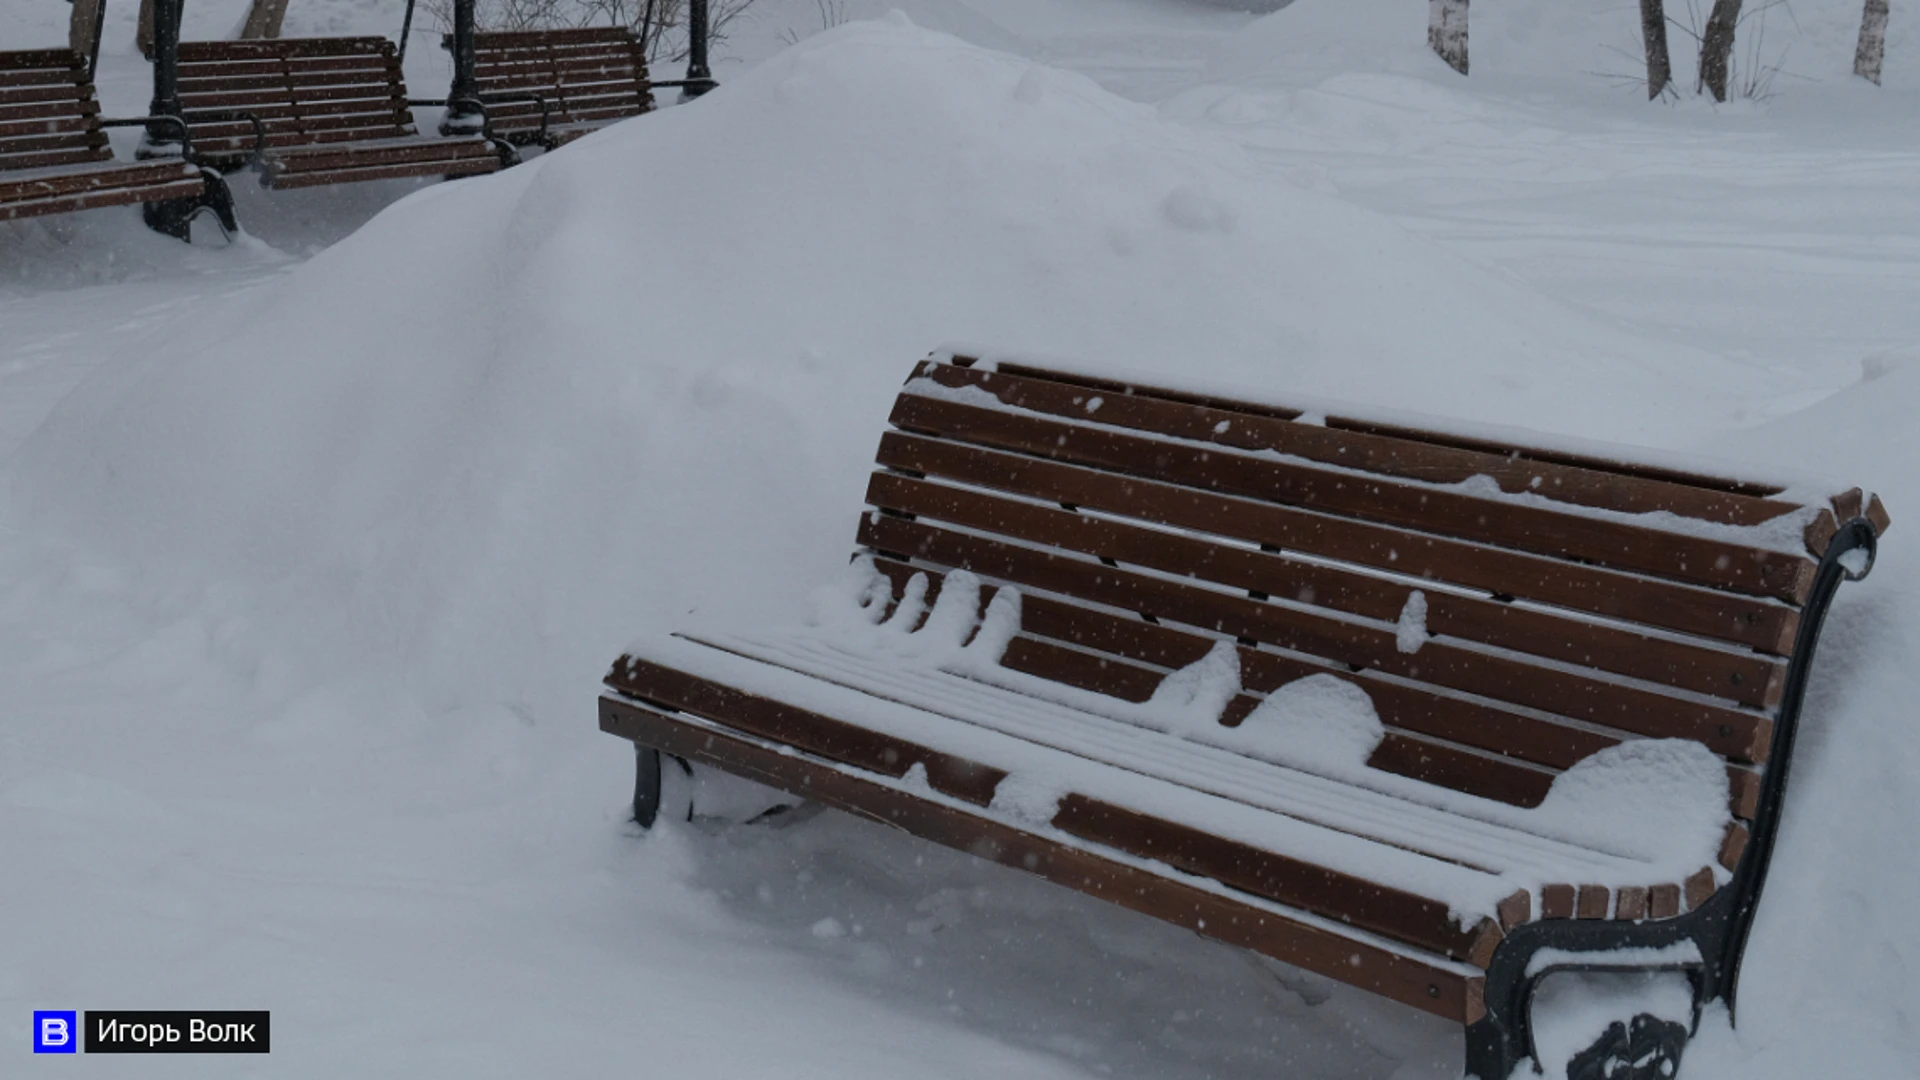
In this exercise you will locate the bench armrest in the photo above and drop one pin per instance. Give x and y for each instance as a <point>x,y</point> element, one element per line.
<point>504,96</point>
<point>180,125</point>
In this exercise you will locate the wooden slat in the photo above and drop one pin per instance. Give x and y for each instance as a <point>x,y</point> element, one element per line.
<point>375,78</point>
<point>1745,678</point>
<point>1120,647</point>
<point>93,178</point>
<point>48,125</point>
<point>1663,901</point>
<point>28,59</point>
<point>48,158</point>
<point>62,204</point>
<point>1557,901</point>
<point>1727,731</point>
<point>790,725</point>
<point>207,51</point>
<point>1438,990</point>
<point>1592,902</point>
<point>461,167</point>
<point>75,106</point>
<point>520,39</point>
<point>1708,613</point>
<point>1518,754</point>
<point>1392,913</point>
<point>356,155</point>
<point>1353,449</point>
<point>28,145</point>
<point>1505,449</point>
<point>1519,527</point>
<point>1630,903</point>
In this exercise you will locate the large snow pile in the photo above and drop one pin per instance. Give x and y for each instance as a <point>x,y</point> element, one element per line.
<point>472,439</point>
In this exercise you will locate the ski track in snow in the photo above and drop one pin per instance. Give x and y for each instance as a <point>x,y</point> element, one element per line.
<point>193,814</point>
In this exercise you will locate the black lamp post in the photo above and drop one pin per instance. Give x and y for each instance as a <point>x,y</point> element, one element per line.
<point>699,75</point>
<point>464,115</point>
<point>162,139</point>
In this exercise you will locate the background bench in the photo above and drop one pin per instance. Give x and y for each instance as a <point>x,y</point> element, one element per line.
<point>1558,605</point>
<point>550,87</point>
<point>328,111</point>
<point>54,156</point>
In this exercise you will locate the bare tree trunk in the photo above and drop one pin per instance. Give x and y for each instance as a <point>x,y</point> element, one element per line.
<point>1716,46</point>
<point>1447,31</point>
<point>143,37</point>
<point>264,19</point>
<point>1873,42</point>
<point>83,30</point>
<point>1653,28</point>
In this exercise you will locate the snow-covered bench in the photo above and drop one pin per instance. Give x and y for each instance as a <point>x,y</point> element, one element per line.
<point>54,157</point>
<point>1434,714</point>
<point>311,111</point>
<point>550,87</point>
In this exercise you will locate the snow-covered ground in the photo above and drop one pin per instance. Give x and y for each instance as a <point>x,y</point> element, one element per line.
<point>313,547</point>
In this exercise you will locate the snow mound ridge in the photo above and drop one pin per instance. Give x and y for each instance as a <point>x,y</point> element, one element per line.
<point>517,419</point>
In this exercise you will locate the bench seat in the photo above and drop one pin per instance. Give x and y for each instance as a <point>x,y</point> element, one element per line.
<point>1433,711</point>
<point>54,157</point>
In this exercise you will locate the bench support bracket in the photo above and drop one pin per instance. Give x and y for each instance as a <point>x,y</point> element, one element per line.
<point>1718,928</point>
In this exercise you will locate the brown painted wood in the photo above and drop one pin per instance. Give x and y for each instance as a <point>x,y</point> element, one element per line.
<point>1877,514</point>
<point>282,48</point>
<point>1698,888</point>
<point>1351,448</point>
<point>1520,753</point>
<point>1663,901</point>
<point>1518,527</point>
<point>1745,678</point>
<point>1630,903</point>
<point>1592,902</point>
<point>1393,913</point>
<point>91,200</point>
<point>1740,620</point>
<point>19,59</point>
<point>1403,978</point>
<point>96,178</point>
<point>1734,846</point>
<point>1436,438</point>
<point>1557,901</point>
<point>363,154</point>
<point>833,739</point>
<point>1730,732</point>
<point>458,167</point>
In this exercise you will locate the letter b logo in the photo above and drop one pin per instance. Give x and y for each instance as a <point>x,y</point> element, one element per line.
<point>55,1032</point>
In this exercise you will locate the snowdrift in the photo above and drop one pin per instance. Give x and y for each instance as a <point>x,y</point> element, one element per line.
<point>517,419</point>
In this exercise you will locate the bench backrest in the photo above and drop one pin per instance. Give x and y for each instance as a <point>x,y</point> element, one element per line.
<point>304,90</point>
<point>1143,526</point>
<point>593,74</point>
<point>48,114</point>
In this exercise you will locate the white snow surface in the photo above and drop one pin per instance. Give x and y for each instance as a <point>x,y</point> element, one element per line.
<point>305,559</point>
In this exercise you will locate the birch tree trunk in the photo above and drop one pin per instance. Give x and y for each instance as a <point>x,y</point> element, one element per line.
<point>1873,42</point>
<point>264,19</point>
<point>1447,31</point>
<point>1716,47</point>
<point>1653,28</point>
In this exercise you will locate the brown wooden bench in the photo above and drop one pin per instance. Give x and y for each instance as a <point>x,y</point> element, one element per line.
<point>1512,614</point>
<point>317,111</point>
<point>550,87</point>
<point>54,156</point>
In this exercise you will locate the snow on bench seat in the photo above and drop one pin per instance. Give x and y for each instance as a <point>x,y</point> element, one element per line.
<point>1375,698</point>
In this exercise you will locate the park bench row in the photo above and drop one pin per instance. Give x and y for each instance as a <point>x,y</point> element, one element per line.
<point>301,112</point>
